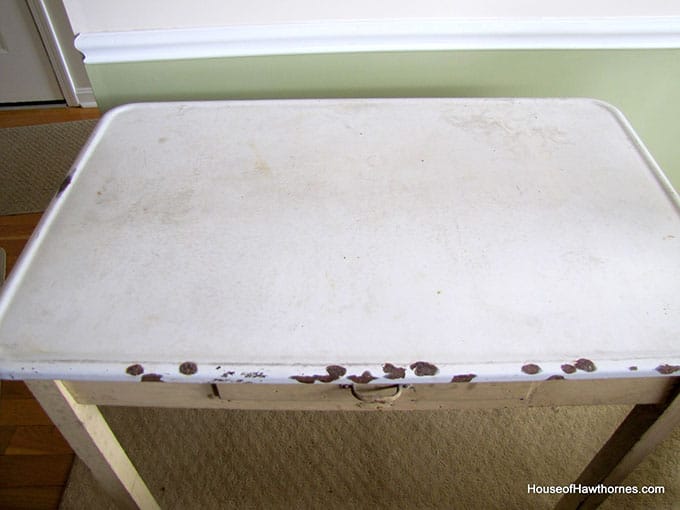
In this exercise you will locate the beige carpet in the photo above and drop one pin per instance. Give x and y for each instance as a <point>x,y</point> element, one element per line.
<point>378,460</point>
<point>35,160</point>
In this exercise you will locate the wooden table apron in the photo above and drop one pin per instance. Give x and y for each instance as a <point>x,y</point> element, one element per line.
<point>355,254</point>
<point>73,408</point>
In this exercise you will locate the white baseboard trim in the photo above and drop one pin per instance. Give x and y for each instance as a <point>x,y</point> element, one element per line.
<point>86,97</point>
<point>385,35</point>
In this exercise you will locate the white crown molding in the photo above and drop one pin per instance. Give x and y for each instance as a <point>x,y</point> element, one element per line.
<point>387,35</point>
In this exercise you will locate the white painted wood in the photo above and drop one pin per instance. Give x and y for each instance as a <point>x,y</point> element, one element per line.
<point>58,39</point>
<point>86,97</point>
<point>644,429</point>
<point>335,397</point>
<point>124,15</point>
<point>448,237</point>
<point>92,440</point>
<point>654,436</point>
<point>366,36</point>
<point>25,70</point>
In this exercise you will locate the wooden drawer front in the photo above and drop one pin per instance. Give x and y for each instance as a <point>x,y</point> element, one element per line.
<point>342,397</point>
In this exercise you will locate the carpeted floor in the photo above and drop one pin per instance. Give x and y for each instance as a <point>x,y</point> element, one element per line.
<point>35,160</point>
<point>260,459</point>
<point>332,460</point>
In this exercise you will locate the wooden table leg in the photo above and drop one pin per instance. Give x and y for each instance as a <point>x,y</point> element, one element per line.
<point>92,440</point>
<point>641,431</point>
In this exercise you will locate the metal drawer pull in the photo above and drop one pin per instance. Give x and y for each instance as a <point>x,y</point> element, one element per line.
<point>369,394</point>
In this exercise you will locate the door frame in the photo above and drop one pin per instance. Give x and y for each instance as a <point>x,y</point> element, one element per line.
<point>57,36</point>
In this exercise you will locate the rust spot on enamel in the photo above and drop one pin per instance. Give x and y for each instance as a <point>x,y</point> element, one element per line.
<point>423,368</point>
<point>152,378</point>
<point>135,370</point>
<point>667,369</point>
<point>364,378</point>
<point>531,369</point>
<point>585,364</point>
<point>568,369</point>
<point>463,378</point>
<point>307,379</point>
<point>334,372</point>
<point>555,378</point>
<point>64,184</point>
<point>257,375</point>
<point>393,372</point>
<point>188,368</point>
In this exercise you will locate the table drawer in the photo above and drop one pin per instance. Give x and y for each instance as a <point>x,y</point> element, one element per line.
<point>367,397</point>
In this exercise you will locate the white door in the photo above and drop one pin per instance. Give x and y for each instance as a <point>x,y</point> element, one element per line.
<point>25,71</point>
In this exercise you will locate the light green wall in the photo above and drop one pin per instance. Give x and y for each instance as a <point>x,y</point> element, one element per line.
<point>644,84</point>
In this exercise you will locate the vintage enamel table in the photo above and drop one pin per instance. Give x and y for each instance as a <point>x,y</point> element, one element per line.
<point>352,254</point>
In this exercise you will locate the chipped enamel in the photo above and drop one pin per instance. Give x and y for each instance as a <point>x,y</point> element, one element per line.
<point>258,241</point>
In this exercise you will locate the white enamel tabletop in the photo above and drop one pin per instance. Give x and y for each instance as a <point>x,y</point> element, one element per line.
<point>414,240</point>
